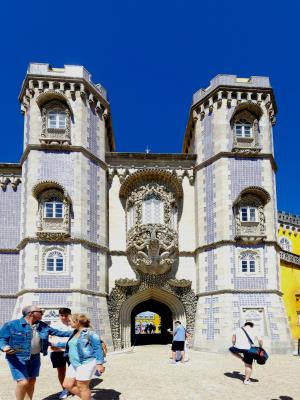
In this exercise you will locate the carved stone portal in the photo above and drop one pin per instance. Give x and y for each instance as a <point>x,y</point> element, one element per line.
<point>152,248</point>
<point>180,288</point>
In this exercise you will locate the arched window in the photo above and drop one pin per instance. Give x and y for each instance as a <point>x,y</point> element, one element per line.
<point>153,210</point>
<point>55,261</point>
<point>53,208</point>
<point>248,262</point>
<point>56,126</point>
<point>243,129</point>
<point>285,244</point>
<point>249,210</point>
<point>54,211</point>
<point>57,119</point>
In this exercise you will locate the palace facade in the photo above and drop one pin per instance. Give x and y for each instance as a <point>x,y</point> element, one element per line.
<point>189,236</point>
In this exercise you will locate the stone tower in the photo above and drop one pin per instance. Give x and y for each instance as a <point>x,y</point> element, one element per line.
<point>236,253</point>
<point>63,235</point>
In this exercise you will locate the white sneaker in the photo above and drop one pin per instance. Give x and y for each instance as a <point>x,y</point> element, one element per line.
<point>247,382</point>
<point>172,362</point>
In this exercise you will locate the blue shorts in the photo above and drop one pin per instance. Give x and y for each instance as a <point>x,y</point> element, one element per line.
<point>23,370</point>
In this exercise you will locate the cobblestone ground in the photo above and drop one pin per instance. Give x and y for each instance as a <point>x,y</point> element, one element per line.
<point>145,374</point>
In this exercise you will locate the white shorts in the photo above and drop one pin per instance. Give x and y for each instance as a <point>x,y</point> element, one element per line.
<point>83,372</point>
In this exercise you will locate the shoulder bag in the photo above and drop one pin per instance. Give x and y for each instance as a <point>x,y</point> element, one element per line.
<point>258,353</point>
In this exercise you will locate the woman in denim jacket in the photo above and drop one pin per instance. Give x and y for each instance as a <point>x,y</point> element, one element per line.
<point>86,356</point>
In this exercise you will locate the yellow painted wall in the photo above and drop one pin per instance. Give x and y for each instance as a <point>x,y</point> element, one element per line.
<point>290,283</point>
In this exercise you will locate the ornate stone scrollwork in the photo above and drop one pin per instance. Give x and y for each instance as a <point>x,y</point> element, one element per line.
<point>152,248</point>
<point>152,240</point>
<point>127,282</point>
<point>180,283</point>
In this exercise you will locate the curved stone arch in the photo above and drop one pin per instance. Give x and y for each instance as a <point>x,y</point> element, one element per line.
<point>144,176</point>
<point>53,95</point>
<point>257,191</point>
<point>251,108</point>
<point>176,294</point>
<point>174,304</point>
<point>42,186</point>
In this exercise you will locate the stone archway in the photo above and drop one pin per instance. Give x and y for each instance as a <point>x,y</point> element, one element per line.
<point>166,322</point>
<point>175,294</point>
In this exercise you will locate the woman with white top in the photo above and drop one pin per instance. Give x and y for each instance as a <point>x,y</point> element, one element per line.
<point>86,356</point>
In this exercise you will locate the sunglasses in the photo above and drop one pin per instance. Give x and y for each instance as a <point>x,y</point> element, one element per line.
<point>39,311</point>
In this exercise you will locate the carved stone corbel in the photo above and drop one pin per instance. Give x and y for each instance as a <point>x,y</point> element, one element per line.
<point>4,181</point>
<point>14,182</point>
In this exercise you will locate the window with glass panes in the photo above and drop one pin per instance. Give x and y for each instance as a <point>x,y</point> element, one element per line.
<point>53,209</point>
<point>248,214</point>
<point>56,119</point>
<point>55,262</point>
<point>248,263</point>
<point>243,129</point>
<point>153,211</point>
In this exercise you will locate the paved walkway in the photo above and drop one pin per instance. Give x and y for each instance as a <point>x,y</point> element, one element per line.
<point>145,374</point>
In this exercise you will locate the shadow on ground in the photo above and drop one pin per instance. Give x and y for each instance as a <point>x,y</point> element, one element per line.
<point>103,394</point>
<point>284,398</point>
<point>241,377</point>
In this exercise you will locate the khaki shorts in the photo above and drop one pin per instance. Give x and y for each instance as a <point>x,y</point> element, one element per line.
<point>83,372</point>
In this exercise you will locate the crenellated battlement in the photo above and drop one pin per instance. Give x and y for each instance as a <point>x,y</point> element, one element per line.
<point>42,78</point>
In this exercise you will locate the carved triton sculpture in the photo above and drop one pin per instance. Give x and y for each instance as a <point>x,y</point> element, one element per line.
<point>152,248</point>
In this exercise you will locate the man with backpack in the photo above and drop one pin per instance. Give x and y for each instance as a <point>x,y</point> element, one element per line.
<point>241,343</point>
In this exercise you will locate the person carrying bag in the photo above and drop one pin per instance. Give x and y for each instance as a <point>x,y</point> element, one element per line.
<point>243,340</point>
<point>259,354</point>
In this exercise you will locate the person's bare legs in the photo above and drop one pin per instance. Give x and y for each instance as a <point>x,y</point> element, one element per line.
<point>25,389</point>
<point>71,385</point>
<point>174,355</point>
<point>84,388</point>
<point>61,373</point>
<point>248,371</point>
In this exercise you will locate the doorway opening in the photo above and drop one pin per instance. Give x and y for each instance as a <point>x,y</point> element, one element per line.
<point>149,323</point>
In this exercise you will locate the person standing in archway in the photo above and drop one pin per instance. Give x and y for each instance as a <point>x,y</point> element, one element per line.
<point>178,341</point>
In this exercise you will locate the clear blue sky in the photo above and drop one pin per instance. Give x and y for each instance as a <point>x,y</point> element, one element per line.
<point>151,57</point>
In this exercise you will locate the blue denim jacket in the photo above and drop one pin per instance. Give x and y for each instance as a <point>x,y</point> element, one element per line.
<point>88,346</point>
<point>18,334</point>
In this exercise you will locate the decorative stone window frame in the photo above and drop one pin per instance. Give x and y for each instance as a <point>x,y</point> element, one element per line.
<point>46,250</point>
<point>52,229</point>
<point>251,231</point>
<point>247,252</point>
<point>138,197</point>
<point>251,115</point>
<point>287,246</point>
<point>55,135</point>
<point>152,247</point>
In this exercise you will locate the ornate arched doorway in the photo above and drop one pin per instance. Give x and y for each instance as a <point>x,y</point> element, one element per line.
<point>144,329</point>
<point>123,299</point>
